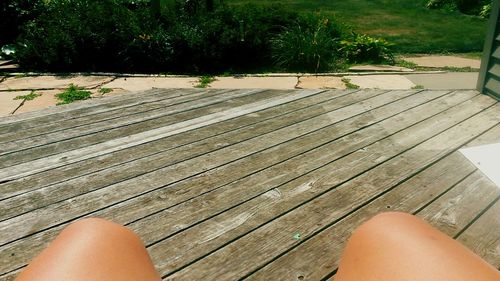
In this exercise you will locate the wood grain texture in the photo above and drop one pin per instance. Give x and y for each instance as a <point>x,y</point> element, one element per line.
<point>121,143</point>
<point>261,245</point>
<point>264,181</point>
<point>456,209</point>
<point>319,256</point>
<point>39,127</point>
<point>236,129</point>
<point>24,150</point>
<point>223,194</point>
<point>130,170</point>
<point>170,174</point>
<point>483,237</point>
<point>75,110</point>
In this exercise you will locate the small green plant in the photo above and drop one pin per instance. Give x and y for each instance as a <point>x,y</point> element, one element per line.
<point>417,87</point>
<point>104,91</point>
<point>485,11</point>
<point>73,93</point>
<point>205,81</point>
<point>226,74</point>
<point>363,48</point>
<point>348,84</point>
<point>30,96</point>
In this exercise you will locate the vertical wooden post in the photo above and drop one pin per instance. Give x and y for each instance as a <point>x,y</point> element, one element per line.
<point>489,75</point>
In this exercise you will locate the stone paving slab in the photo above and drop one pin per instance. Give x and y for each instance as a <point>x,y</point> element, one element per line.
<point>47,99</point>
<point>2,62</point>
<point>52,82</point>
<point>320,82</point>
<point>7,102</point>
<point>386,82</point>
<point>383,68</point>
<point>444,61</point>
<point>446,81</point>
<point>254,82</point>
<point>133,84</point>
<point>114,92</point>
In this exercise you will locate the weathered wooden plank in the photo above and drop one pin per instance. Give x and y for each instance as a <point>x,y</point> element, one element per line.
<point>42,241</point>
<point>263,244</point>
<point>41,128</point>
<point>49,115</point>
<point>37,241</point>
<point>20,170</point>
<point>220,134</point>
<point>24,150</point>
<point>483,237</point>
<point>263,181</point>
<point>491,136</point>
<point>158,178</point>
<point>54,193</point>
<point>319,256</point>
<point>452,212</point>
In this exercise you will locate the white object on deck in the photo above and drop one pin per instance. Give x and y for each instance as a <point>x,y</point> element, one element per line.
<point>487,159</point>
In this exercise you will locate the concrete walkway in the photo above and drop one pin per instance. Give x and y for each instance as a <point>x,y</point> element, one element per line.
<point>438,61</point>
<point>47,86</point>
<point>445,81</point>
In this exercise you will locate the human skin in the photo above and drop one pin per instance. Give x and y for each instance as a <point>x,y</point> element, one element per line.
<point>398,246</point>
<point>389,247</point>
<point>92,250</point>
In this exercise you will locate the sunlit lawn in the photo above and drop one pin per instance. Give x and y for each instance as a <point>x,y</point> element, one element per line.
<point>406,23</point>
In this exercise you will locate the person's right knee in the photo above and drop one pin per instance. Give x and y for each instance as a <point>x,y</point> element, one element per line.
<point>99,228</point>
<point>392,219</point>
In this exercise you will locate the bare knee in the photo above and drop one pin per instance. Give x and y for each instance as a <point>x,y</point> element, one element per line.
<point>392,217</point>
<point>383,224</point>
<point>98,228</point>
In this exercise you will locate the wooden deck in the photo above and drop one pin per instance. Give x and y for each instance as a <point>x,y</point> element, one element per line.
<point>248,184</point>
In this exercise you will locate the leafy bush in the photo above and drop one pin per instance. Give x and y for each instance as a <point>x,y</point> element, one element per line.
<point>230,38</point>
<point>14,14</point>
<point>363,48</point>
<point>81,35</point>
<point>473,7</point>
<point>309,45</point>
<point>192,36</point>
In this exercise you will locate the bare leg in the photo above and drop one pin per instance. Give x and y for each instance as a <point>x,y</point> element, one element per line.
<point>398,246</point>
<point>92,249</point>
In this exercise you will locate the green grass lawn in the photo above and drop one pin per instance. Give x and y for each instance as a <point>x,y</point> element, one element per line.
<point>407,23</point>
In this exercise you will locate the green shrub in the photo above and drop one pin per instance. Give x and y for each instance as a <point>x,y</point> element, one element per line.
<point>473,7</point>
<point>363,48</point>
<point>183,37</point>
<point>79,35</point>
<point>310,45</point>
<point>73,93</point>
<point>228,39</point>
<point>14,14</point>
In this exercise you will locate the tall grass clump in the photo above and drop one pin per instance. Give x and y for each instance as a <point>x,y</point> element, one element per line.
<point>310,44</point>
